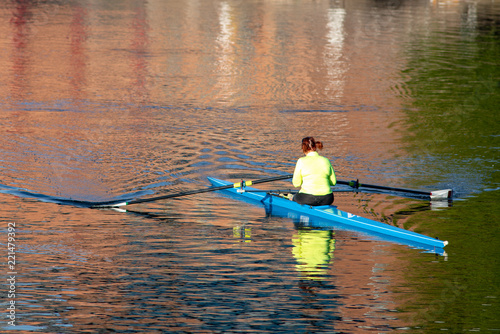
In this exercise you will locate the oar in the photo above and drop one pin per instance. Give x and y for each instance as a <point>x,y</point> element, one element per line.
<point>434,195</point>
<point>357,187</point>
<point>186,193</point>
<point>437,195</point>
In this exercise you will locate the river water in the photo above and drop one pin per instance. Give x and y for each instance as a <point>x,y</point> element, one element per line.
<point>130,99</point>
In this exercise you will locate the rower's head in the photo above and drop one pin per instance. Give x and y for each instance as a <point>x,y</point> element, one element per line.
<point>309,145</point>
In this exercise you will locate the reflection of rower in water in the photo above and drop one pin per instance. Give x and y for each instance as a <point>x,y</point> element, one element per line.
<point>313,250</point>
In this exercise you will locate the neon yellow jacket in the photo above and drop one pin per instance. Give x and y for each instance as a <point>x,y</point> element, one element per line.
<point>314,174</point>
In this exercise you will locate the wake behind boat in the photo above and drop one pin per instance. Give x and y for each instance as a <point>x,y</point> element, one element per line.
<point>331,216</point>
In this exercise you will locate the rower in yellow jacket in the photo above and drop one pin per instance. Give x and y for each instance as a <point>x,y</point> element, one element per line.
<point>314,174</point>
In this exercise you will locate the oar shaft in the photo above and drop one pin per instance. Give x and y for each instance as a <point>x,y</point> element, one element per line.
<point>356,184</point>
<point>444,194</point>
<point>199,191</point>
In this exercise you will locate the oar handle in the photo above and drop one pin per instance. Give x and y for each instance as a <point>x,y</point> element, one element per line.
<point>270,179</point>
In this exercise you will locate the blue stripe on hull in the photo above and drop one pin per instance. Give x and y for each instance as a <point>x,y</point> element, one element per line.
<point>331,216</point>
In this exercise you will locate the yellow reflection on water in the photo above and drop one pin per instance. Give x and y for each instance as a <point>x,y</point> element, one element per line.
<point>313,250</point>
<point>242,233</point>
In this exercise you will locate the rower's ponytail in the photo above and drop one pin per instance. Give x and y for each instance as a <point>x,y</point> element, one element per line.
<point>309,144</point>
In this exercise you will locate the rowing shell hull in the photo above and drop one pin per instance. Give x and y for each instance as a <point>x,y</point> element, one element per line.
<point>331,216</point>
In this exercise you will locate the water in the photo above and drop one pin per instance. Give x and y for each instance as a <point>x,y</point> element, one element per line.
<point>103,101</point>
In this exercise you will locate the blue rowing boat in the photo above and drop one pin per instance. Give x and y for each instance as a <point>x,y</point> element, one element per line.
<point>330,217</point>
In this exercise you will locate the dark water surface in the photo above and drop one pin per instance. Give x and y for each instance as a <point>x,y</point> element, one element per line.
<point>128,99</point>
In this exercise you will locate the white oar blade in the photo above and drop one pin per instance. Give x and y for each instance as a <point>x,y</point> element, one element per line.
<point>108,206</point>
<point>444,194</point>
<point>117,209</point>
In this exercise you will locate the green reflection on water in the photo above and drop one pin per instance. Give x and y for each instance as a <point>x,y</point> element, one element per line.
<point>454,85</point>
<point>453,119</point>
<point>462,293</point>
